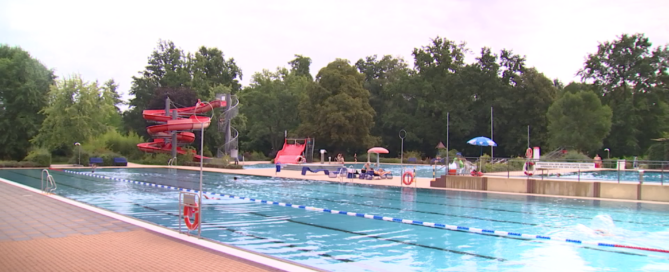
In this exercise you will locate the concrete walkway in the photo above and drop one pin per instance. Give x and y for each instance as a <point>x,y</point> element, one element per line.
<point>41,233</point>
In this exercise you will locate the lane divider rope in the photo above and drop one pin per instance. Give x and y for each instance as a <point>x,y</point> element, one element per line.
<point>378,217</point>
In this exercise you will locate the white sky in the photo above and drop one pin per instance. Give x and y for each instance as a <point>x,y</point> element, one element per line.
<point>113,39</point>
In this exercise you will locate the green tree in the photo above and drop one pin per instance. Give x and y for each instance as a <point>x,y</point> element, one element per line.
<point>630,76</point>
<point>24,84</point>
<point>578,120</point>
<point>380,75</point>
<point>77,111</point>
<point>211,69</point>
<point>300,66</point>
<point>271,105</point>
<point>336,108</point>
<point>113,99</point>
<point>526,104</point>
<point>168,66</point>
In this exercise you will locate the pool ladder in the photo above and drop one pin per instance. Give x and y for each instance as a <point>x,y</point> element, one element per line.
<point>172,162</point>
<point>48,183</point>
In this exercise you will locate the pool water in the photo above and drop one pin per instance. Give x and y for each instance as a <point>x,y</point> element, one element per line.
<point>346,243</point>
<point>613,175</point>
<point>422,171</point>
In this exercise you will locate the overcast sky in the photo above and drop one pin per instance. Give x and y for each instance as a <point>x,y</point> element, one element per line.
<point>112,39</point>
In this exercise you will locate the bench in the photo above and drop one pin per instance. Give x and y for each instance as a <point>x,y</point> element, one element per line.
<point>96,161</point>
<point>412,160</point>
<point>120,161</point>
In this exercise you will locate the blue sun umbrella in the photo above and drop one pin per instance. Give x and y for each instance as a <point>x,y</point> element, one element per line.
<point>482,141</point>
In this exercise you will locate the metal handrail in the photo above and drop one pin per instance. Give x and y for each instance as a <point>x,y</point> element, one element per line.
<point>172,161</point>
<point>50,185</point>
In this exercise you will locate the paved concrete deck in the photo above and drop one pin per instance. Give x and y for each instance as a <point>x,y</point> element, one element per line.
<point>41,233</point>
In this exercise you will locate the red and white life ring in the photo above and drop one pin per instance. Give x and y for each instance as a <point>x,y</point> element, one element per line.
<point>526,168</point>
<point>528,153</point>
<point>188,212</point>
<point>409,180</point>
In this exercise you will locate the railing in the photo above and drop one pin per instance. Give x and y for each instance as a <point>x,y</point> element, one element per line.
<point>611,170</point>
<point>172,162</point>
<point>48,184</point>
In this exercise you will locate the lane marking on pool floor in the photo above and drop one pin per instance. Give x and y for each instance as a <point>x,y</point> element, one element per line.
<point>383,218</point>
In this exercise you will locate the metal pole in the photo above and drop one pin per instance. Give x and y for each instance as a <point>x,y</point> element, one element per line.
<point>492,149</point>
<point>618,167</point>
<point>402,136</point>
<point>448,116</point>
<point>199,204</point>
<point>528,136</point>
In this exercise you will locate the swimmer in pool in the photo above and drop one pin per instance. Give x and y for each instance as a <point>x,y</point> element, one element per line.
<point>235,178</point>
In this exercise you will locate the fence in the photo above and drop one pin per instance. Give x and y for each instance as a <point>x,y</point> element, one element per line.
<point>617,170</point>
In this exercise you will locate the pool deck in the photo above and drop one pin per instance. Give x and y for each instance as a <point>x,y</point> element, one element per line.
<point>41,232</point>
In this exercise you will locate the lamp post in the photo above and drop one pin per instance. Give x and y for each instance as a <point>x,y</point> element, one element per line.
<point>79,159</point>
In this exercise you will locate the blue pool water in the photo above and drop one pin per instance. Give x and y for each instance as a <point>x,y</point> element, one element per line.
<point>613,175</point>
<point>422,171</point>
<point>345,243</point>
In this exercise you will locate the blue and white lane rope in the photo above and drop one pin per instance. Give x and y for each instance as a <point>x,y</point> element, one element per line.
<point>377,217</point>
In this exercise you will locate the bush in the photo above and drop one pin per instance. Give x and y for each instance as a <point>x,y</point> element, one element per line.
<point>111,142</point>
<point>255,156</point>
<point>84,158</point>
<point>40,156</point>
<point>390,160</point>
<point>155,159</point>
<point>207,152</point>
<point>17,164</point>
<point>412,154</point>
<point>125,145</point>
<point>184,158</point>
<point>575,156</point>
<point>108,158</point>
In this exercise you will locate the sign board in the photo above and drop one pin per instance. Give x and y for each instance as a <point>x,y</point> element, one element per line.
<point>565,165</point>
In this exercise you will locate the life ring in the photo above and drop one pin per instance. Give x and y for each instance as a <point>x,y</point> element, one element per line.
<point>188,212</point>
<point>528,153</point>
<point>526,167</point>
<point>410,179</point>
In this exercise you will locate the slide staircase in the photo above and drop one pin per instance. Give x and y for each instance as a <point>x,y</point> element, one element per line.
<point>231,144</point>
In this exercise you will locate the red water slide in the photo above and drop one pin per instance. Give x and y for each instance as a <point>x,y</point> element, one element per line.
<point>290,153</point>
<point>187,120</point>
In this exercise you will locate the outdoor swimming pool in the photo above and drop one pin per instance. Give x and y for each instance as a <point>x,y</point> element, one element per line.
<point>613,175</point>
<point>422,171</point>
<point>339,242</point>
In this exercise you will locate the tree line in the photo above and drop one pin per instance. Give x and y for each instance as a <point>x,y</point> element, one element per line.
<point>620,103</point>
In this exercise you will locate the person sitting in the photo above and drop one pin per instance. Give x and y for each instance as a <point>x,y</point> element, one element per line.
<point>301,159</point>
<point>366,168</point>
<point>460,163</point>
<point>340,158</point>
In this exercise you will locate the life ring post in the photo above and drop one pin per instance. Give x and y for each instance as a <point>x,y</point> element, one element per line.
<point>189,210</point>
<point>407,178</point>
